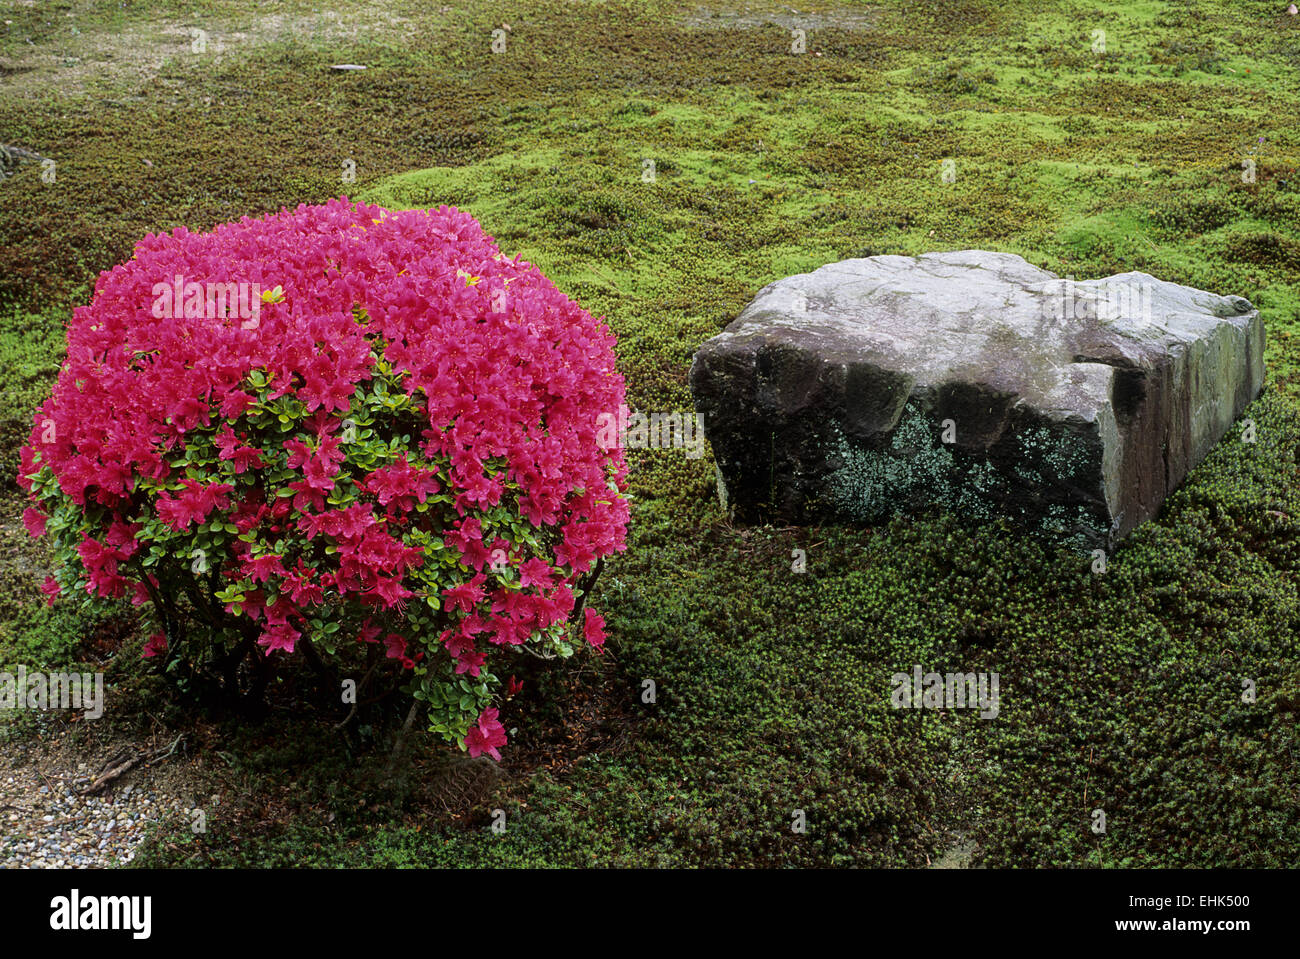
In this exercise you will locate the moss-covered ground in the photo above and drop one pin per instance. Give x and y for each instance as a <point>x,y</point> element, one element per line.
<point>1167,143</point>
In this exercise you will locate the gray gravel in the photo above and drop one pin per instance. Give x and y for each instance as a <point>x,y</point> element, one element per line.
<point>49,826</point>
<point>46,824</point>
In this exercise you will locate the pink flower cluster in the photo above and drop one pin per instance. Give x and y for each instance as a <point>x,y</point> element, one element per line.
<point>504,376</point>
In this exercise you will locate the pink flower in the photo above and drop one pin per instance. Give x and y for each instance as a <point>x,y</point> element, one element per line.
<point>279,636</point>
<point>594,627</point>
<point>156,645</point>
<point>465,596</point>
<point>34,520</point>
<point>262,568</point>
<point>192,504</point>
<point>470,663</point>
<point>301,589</point>
<point>486,735</point>
<point>51,589</point>
<point>391,592</point>
<point>395,646</point>
<point>242,456</point>
<point>535,572</point>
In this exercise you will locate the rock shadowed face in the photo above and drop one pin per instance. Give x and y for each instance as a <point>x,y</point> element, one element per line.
<point>977,382</point>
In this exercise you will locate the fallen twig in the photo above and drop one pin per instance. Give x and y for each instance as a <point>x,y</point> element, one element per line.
<point>126,765</point>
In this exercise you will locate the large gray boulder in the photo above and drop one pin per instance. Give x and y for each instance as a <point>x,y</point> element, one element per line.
<point>976,382</point>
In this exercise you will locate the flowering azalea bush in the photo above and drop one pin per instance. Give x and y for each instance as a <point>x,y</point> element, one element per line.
<point>338,427</point>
